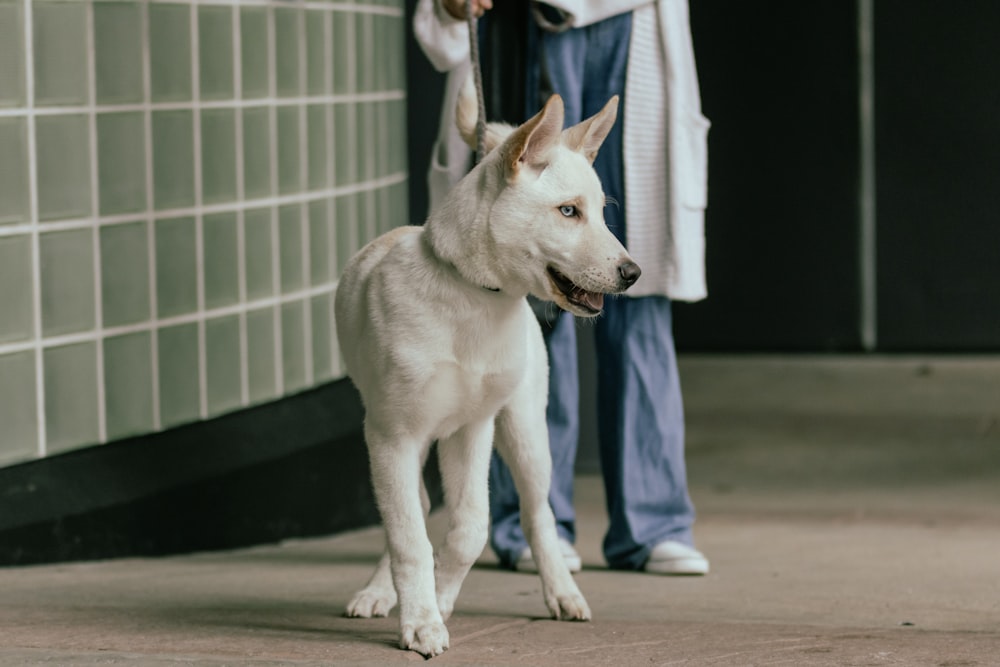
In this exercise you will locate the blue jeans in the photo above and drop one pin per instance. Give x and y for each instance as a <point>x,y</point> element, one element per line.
<point>640,412</point>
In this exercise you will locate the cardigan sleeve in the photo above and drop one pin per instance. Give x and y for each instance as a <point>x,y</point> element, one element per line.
<point>442,38</point>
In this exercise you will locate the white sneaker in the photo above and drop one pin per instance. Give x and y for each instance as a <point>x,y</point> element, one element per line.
<point>526,563</point>
<point>673,557</point>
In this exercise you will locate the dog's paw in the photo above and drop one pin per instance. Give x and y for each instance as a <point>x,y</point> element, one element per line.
<point>568,607</point>
<point>427,639</point>
<point>371,602</point>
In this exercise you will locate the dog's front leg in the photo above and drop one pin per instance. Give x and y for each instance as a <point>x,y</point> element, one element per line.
<point>396,473</point>
<point>522,440</point>
<point>464,459</point>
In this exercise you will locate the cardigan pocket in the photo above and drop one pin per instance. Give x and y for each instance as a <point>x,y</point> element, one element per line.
<point>694,165</point>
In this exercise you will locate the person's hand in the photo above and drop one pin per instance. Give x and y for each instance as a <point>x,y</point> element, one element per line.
<point>456,8</point>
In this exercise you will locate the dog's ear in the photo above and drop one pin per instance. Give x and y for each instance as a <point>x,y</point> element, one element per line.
<point>466,115</point>
<point>529,144</point>
<point>587,136</point>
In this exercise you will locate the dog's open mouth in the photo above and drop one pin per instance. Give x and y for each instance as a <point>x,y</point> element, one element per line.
<point>591,302</point>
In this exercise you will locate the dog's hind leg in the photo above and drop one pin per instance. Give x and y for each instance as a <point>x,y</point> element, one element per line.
<point>465,461</point>
<point>396,478</point>
<point>378,597</point>
<point>522,440</point>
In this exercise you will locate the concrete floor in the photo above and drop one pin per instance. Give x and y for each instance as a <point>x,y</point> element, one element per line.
<point>850,508</point>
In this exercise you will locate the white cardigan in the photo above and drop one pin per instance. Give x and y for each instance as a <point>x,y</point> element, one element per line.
<point>666,160</point>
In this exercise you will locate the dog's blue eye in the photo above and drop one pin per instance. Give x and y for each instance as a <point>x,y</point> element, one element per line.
<point>568,211</point>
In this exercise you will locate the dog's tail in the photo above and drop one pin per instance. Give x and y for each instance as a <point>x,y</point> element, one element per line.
<point>466,115</point>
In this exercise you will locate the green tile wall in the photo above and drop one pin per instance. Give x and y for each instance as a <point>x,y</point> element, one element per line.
<point>60,53</point>
<point>16,302</point>
<point>128,384</point>
<point>14,200</point>
<point>180,185</point>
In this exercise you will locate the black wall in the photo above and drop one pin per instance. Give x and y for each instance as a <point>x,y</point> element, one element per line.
<point>938,142</point>
<point>780,83</point>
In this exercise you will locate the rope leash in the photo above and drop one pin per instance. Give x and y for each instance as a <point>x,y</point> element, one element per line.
<point>477,80</point>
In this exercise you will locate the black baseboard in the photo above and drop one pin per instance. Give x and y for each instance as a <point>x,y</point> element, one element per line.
<point>296,467</point>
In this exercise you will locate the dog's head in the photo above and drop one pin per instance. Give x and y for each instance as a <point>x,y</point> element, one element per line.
<point>530,217</point>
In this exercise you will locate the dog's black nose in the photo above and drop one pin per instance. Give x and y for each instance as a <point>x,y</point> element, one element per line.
<point>630,272</point>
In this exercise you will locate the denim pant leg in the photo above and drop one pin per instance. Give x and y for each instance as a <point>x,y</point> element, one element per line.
<point>641,423</point>
<point>563,416</point>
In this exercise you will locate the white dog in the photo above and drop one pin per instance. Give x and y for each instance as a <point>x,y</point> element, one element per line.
<point>439,339</point>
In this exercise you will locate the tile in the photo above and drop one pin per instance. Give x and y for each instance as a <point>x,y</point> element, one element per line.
<point>125,273</point>
<point>259,260</point>
<point>224,370</point>
<point>367,144</point>
<point>128,384</point>
<point>254,52</point>
<point>345,142</point>
<point>60,52</point>
<point>287,38</point>
<point>218,156</point>
<point>18,407</point>
<point>317,146</point>
<point>256,152</point>
<point>215,52</point>
<point>173,159</point>
<point>62,145</point>
<point>293,353</point>
<point>397,137</point>
<point>261,376</point>
<point>121,162</point>
<point>180,400</point>
<point>322,331</point>
<point>289,151</point>
<point>170,52</point>
<point>365,60</point>
<point>16,300</point>
<point>222,280</point>
<point>365,221</point>
<point>316,69</point>
<point>319,243</point>
<point>71,408</point>
<point>395,59</point>
<point>343,57</point>
<point>118,32</point>
<point>67,272</point>
<point>290,246</point>
<point>380,69</point>
<point>401,193</point>
<point>346,230</point>
<point>176,267</point>
<point>14,204</point>
<point>12,84</point>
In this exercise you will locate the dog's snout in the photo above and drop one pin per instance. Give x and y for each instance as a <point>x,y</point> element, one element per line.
<point>629,271</point>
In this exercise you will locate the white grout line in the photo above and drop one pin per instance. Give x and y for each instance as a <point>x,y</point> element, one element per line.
<point>149,215</point>
<point>95,207</point>
<point>331,178</point>
<point>199,218</point>
<point>360,8</point>
<point>379,96</point>
<point>272,83</point>
<point>33,228</point>
<point>306,228</point>
<point>241,262</point>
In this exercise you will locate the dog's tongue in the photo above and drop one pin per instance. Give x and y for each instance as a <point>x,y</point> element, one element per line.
<point>592,300</point>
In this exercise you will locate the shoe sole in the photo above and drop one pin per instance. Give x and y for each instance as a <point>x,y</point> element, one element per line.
<point>680,566</point>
